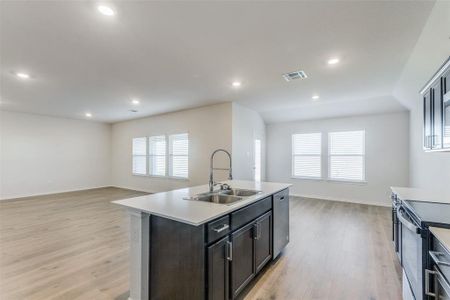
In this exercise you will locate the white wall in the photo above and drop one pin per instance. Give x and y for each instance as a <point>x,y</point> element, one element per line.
<point>387,141</point>
<point>427,170</point>
<point>209,128</point>
<point>42,155</point>
<point>247,126</point>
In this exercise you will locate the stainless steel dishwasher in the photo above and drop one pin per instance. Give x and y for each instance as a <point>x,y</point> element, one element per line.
<point>280,221</point>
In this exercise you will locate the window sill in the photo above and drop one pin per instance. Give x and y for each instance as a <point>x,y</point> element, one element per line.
<point>359,182</point>
<point>162,177</point>
<point>307,178</point>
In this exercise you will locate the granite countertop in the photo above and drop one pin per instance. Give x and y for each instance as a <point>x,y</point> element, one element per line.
<point>406,193</point>
<point>171,204</point>
<point>443,235</point>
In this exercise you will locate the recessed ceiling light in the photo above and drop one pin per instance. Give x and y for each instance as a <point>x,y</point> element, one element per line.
<point>23,75</point>
<point>135,101</point>
<point>106,10</point>
<point>236,84</point>
<point>88,115</point>
<point>315,97</point>
<point>333,61</point>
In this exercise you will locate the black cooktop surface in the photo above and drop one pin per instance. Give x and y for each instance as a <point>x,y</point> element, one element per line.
<point>430,212</point>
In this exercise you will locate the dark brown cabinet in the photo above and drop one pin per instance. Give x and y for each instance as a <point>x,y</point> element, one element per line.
<point>263,241</point>
<point>446,110</point>
<point>218,270</point>
<point>427,120</point>
<point>214,261</point>
<point>242,263</point>
<point>436,111</point>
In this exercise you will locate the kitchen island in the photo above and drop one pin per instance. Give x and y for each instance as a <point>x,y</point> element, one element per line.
<point>182,248</point>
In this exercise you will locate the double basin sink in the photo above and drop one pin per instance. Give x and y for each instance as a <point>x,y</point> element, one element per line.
<point>224,196</point>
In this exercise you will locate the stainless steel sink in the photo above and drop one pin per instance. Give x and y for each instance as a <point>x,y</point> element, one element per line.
<point>240,192</point>
<point>217,198</point>
<point>224,196</point>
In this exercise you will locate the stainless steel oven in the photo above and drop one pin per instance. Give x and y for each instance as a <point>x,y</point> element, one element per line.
<point>411,252</point>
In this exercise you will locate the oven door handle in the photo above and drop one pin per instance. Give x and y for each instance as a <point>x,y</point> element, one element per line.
<point>405,222</point>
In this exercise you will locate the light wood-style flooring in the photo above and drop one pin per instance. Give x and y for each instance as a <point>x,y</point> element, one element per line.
<point>75,246</point>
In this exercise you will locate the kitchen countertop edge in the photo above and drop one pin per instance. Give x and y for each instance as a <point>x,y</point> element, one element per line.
<point>155,204</point>
<point>416,194</point>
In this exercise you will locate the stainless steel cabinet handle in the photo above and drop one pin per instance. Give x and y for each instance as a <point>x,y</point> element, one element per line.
<point>435,256</point>
<point>220,229</point>
<point>427,283</point>
<point>255,231</point>
<point>229,251</point>
<point>405,222</point>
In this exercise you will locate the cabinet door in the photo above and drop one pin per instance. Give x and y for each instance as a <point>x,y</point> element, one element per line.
<point>242,262</point>
<point>436,116</point>
<point>263,241</point>
<point>446,110</point>
<point>427,129</point>
<point>218,270</point>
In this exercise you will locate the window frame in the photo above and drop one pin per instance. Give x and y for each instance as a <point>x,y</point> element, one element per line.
<point>170,155</point>
<point>168,161</point>
<point>139,155</point>
<point>150,155</point>
<point>364,174</point>
<point>320,177</point>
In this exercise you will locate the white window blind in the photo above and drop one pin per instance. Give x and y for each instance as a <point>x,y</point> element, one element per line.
<point>346,155</point>
<point>179,154</point>
<point>257,160</point>
<point>140,156</point>
<point>157,155</point>
<point>306,155</point>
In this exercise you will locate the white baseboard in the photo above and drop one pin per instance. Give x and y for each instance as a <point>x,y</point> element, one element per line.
<point>134,189</point>
<point>21,196</point>
<point>340,200</point>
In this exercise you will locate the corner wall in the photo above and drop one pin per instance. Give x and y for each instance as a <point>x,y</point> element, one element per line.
<point>43,155</point>
<point>387,142</point>
<point>247,126</point>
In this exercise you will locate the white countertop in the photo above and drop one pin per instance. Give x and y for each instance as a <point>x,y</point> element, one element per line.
<point>406,193</point>
<point>443,235</point>
<point>171,204</point>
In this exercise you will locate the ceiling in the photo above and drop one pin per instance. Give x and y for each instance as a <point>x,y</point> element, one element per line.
<point>177,55</point>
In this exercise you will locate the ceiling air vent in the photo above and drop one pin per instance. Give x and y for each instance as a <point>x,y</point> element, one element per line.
<point>295,75</point>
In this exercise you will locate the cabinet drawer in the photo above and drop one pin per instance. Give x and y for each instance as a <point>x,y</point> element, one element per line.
<point>218,228</point>
<point>249,213</point>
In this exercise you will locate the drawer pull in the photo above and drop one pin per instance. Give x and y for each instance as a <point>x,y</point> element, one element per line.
<point>220,229</point>
<point>436,255</point>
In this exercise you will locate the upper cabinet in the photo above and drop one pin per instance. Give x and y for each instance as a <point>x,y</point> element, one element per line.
<point>436,111</point>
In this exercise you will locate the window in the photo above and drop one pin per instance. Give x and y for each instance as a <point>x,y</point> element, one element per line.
<point>257,160</point>
<point>346,155</point>
<point>140,156</point>
<point>157,155</point>
<point>306,155</point>
<point>178,153</point>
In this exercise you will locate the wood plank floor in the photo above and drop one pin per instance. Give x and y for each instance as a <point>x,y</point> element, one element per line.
<point>75,246</point>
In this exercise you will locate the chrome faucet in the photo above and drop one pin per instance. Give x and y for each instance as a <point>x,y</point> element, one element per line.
<point>211,169</point>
